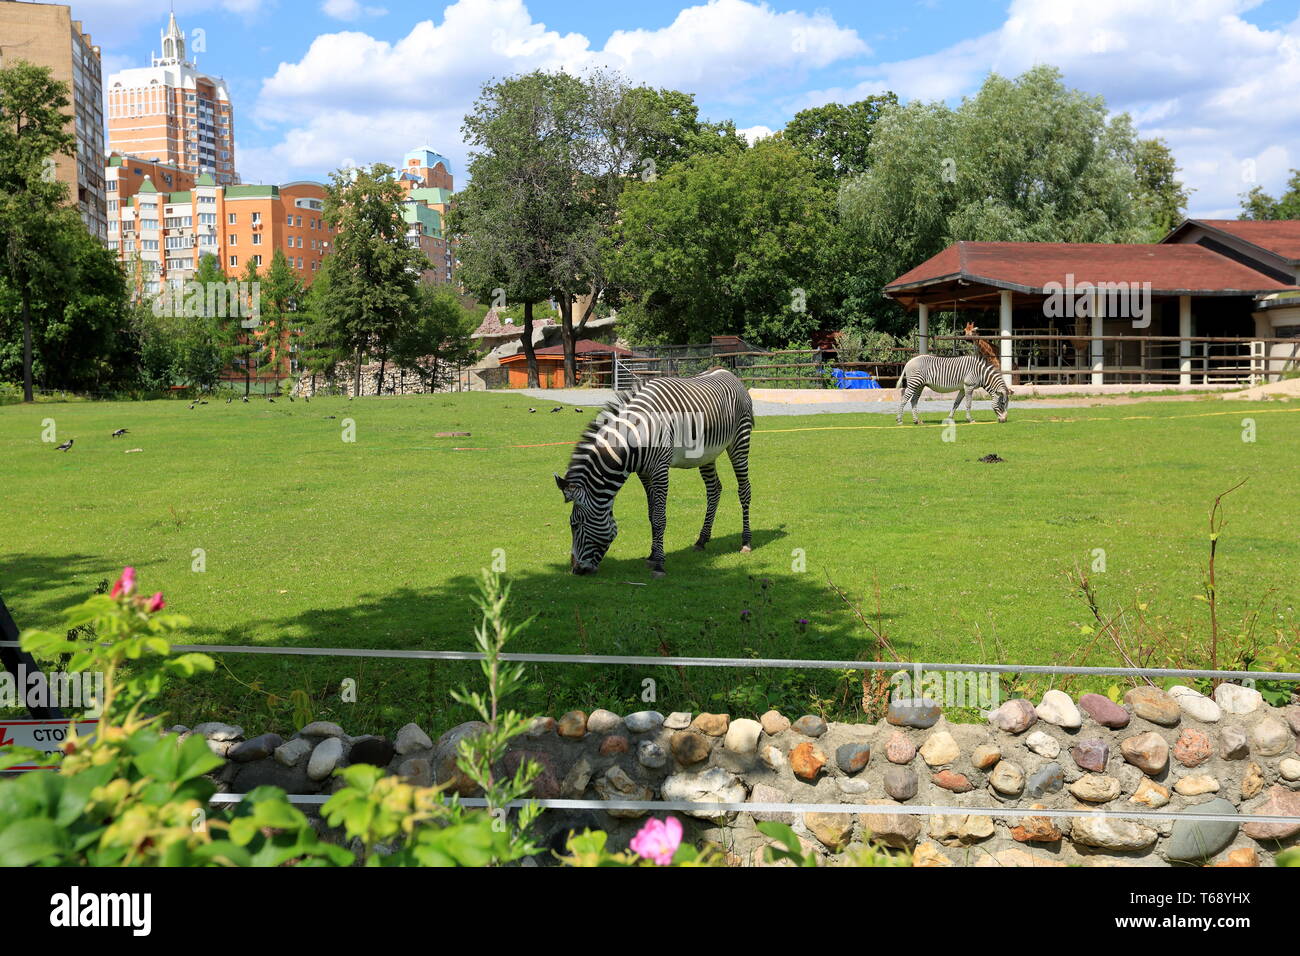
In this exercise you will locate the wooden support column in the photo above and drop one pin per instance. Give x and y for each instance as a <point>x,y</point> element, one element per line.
<point>923,335</point>
<point>1184,346</point>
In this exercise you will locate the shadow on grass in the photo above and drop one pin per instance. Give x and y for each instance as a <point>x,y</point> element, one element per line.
<point>705,607</point>
<point>38,588</point>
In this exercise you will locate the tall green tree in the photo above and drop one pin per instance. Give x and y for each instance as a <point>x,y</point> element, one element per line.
<point>1257,204</point>
<point>33,131</point>
<point>437,342</point>
<point>321,351</point>
<point>281,296</point>
<point>837,137</point>
<point>1024,159</point>
<point>371,294</point>
<point>726,244</point>
<point>1161,195</point>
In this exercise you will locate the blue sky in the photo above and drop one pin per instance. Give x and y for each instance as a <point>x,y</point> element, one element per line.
<point>321,83</point>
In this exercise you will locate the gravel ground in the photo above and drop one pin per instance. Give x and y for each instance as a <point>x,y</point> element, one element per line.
<point>595,398</point>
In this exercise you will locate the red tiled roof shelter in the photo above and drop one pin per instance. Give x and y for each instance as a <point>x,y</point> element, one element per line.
<point>550,362</point>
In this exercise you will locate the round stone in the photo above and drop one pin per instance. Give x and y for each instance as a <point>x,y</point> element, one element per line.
<point>1233,743</point>
<point>1095,788</point>
<point>644,721</point>
<point>985,756</point>
<point>1050,778</point>
<point>1153,704</point>
<point>1043,744</point>
<point>1270,737</point>
<point>1007,778</point>
<point>919,712</point>
<point>410,739</point>
<point>603,722</point>
<point>650,754</point>
<point>773,723</point>
<point>677,720</point>
<point>325,758</point>
<point>613,744</point>
<point>955,782</point>
<point>1104,711</point>
<point>1091,754</point>
<point>689,747</point>
<point>1281,802</point>
<point>1148,752</point>
<point>1111,833</point>
<point>832,830</point>
<point>715,725</point>
<point>572,725</point>
<point>809,725</point>
<point>1150,794</point>
<point>852,757</point>
<point>259,748</point>
<point>900,783</point>
<point>1197,784</point>
<point>1057,708</point>
<point>1196,705</point>
<point>1014,716</point>
<point>1198,840</point>
<point>807,760</point>
<point>1192,748</point>
<point>1235,699</point>
<point>742,736</point>
<point>899,749</point>
<point>939,749</point>
<point>1289,768</point>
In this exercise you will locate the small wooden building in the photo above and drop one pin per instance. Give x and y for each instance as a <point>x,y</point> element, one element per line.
<point>550,363</point>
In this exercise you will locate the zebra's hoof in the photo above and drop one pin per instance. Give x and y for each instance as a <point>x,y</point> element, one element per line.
<point>745,549</point>
<point>658,574</point>
<point>699,545</point>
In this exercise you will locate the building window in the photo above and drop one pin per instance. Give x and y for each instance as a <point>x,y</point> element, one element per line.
<point>232,240</point>
<point>257,217</point>
<point>232,218</point>
<point>234,261</point>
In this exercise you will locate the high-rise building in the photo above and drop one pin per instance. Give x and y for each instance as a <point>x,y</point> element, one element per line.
<point>426,178</point>
<point>45,34</point>
<point>172,113</point>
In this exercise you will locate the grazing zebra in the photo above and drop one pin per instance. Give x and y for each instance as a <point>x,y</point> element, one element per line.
<point>962,374</point>
<point>667,423</point>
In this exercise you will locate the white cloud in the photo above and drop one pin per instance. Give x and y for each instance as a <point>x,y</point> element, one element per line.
<point>352,84</point>
<point>350,10</point>
<point>753,134</point>
<point>1218,89</point>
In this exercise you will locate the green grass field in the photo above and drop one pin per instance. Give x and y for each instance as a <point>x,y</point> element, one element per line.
<point>313,541</point>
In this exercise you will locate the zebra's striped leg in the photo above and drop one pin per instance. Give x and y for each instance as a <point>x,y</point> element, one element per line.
<point>656,494</point>
<point>739,455</point>
<point>970,394</point>
<point>902,401</point>
<point>712,491</point>
<point>961,393</point>
<point>916,397</point>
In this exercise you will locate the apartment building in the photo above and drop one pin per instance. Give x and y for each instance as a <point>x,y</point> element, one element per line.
<point>173,113</point>
<point>426,178</point>
<point>45,34</point>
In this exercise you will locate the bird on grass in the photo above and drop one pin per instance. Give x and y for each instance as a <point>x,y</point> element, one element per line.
<point>119,433</point>
<point>271,400</point>
<point>192,404</point>
<point>532,411</point>
<point>245,399</point>
<point>203,402</point>
<point>291,398</point>
<point>306,400</point>
<point>557,408</point>
<point>578,410</point>
<point>229,400</point>
<point>65,446</point>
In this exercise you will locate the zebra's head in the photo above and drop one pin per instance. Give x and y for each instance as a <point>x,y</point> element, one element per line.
<point>1001,399</point>
<point>593,525</point>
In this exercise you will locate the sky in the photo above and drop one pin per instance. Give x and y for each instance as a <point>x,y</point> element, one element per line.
<point>318,84</point>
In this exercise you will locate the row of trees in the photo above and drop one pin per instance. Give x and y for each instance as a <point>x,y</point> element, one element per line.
<point>70,318</point>
<point>591,190</point>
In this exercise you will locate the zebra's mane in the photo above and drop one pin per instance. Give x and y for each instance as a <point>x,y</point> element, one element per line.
<point>588,436</point>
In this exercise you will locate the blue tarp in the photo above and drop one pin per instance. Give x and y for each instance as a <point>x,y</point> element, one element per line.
<point>854,379</point>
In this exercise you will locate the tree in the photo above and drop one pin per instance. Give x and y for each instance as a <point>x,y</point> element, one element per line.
<point>320,351</point>
<point>1258,204</point>
<point>438,339</point>
<point>1162,196</point>
<point>281,293</point>
<point>1024,159</point>
<point>726,244</point>
<point>837,138</point>
<point>370,298</point>
<point>32,132</point>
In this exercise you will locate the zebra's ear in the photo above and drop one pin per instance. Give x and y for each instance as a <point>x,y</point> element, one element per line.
<point>565,488</point>
<point>559,482</point>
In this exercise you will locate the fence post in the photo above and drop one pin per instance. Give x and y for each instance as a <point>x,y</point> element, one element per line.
<point>1004,330</point>
<point>1184,346</point>
<point>923,334</point>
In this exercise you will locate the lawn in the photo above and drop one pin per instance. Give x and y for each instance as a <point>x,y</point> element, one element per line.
<point>311,540</point>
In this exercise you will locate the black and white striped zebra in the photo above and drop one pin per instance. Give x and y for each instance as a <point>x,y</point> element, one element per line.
<point>667,423</point>
<point>961,374</point>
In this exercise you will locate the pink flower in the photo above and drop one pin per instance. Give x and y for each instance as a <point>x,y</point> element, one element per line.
<point>156,603</point>
<point>658,840</point>
<point>125,585</point>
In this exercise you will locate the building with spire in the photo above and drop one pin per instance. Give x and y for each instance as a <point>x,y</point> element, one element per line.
<point>170,112</point>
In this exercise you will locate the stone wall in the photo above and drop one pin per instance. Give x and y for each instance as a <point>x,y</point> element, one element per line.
<point>1170,752</point>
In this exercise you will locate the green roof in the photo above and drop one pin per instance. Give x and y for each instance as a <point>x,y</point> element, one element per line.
<point>252,192</point>
<point>115,160</point>
<point>429,220</point>
<point>147,186</point>
<point>180,197</point>
<point>205,180</point>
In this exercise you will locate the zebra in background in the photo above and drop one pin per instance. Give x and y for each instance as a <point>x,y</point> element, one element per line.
<point>962,374</point>
<point>666,423</point>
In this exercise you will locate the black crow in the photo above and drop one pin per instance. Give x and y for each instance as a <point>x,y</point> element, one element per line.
<point>65,446</point>
<point>119,433</point>
<point>557,408</point>
<point>271,400</point>
<point>245,399</point>
<point>532,411</point>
